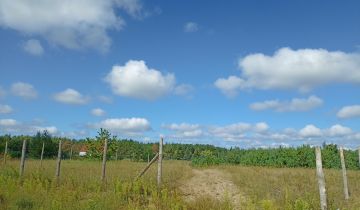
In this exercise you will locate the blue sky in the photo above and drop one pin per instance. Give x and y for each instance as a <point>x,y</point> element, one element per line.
<point>240,73</point>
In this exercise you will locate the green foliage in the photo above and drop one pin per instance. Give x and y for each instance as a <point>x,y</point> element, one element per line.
<point>200,155</point>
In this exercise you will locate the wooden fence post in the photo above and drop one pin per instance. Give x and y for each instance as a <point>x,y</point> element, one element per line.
<point>359,156</point>
<point>116,155</point>
<point>148,157</point>
<point>104,160</point>
<point>346,189</point>
<point>5,152</point>
<point>22,162</point>
<point>42,154</point>
<point>58,163</point>
<point>71,151</point>
<point>321,179</point>
<point>160,162</point>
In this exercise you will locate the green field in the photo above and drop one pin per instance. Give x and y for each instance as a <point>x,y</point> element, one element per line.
<point>244,187</point>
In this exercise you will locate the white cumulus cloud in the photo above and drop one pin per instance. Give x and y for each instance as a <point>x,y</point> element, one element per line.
<point>289,69</point>
<point>23,90</point>
<point>339,130</point>
<point>310,131</point>
<point>136,80</point>
<point>71,24</point>
<point>5,109</point>
<point>130,126</point>
<point>349,111</point>
<point>33,47</point>
<point>98,112</point>
<point>295,105</point>
<point>71,96</point>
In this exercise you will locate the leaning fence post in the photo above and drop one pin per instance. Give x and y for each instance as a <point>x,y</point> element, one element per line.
<point>42,153</point>
<point>5,152</point>
<point>58,163</point>
<point>104,160</point>
<point>22,162</point>
<point>321,179</point>
<point>160,162</point>
<point>346,189</point>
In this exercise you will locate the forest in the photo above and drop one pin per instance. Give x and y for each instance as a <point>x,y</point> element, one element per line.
<point>198,154</point>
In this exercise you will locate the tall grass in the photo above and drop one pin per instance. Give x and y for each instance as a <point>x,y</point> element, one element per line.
<point>295,188</point>
<point>80,186</point>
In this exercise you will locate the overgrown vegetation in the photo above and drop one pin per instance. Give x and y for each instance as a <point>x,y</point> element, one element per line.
<point>80,187</point>
<point>200,155</point>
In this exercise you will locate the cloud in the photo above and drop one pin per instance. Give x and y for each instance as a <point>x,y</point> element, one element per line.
<point>136,80</point>
<point>339,130</point>
<point>15,127</point>
<point>261,127</point>
<point>33,47</point>
<point>71,96</point>
<point>129,126</point>
<point>295,105</point>
<point>8,122</point>
<point>98,112</point>
<point>349,111</point>
<point>183,90</point>
<point>191,27</point>
<point>288,69</point>
<point>23,90</point>
<point>229,86</point>
<point>81,24</point>
<point>5,109</point>
<point>310,131</point>
<point>184,130</point>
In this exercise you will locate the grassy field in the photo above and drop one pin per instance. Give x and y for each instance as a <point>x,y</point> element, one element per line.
<point>80,187</point>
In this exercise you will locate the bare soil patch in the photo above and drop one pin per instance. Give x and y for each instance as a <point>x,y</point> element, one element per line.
<point>211,182</point>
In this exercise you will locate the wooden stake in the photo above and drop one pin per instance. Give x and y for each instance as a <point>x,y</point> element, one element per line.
<point>42,154</point>
<point>5,152</point>
<point>22,162</point>
<point>321,179</point>
<point>104,160</point>
<point>148,157</point>
<point>346,189</point>
<point>58,163</point>
<point>116,155</point>
<point>359,156</point>
<point>71,151</point>
<point>160,162</point>
<point>147,166</point>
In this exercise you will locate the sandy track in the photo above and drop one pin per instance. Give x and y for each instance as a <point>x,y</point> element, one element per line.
<point>211,182</point>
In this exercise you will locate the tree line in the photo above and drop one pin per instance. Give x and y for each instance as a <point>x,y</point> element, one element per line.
<point>198,154</point>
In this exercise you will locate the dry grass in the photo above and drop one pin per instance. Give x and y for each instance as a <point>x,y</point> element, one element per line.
<point>286,188</point>
<point>80,187</point>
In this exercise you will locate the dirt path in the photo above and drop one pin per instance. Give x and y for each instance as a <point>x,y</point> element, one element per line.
<point>211,182</point>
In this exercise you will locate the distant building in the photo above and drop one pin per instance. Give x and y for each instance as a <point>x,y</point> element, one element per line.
<point>83,151</point>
